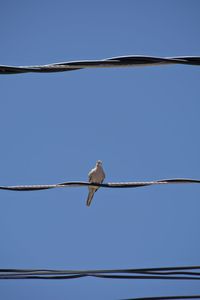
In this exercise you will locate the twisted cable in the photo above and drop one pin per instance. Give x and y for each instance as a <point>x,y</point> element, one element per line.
<point>134,184</point>
<point>113,62</point>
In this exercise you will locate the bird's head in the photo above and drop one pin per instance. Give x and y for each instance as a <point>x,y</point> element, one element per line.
<point>99,163</point>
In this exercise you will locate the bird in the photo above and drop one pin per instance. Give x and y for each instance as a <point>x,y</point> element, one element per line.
<point>96,175</point>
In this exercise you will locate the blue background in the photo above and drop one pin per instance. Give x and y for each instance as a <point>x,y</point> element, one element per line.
<point>143,123</point>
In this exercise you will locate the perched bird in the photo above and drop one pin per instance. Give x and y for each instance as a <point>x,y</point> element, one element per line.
<point>96,175</point>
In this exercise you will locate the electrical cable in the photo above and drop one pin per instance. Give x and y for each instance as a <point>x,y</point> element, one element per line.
<point>133,184</point>
<point>169,273</point>
<point>112,62</point>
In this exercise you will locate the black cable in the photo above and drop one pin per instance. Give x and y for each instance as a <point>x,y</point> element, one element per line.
<point>160,277</point>
<point>133,184</point>
<point>165,297</point>
<point>113,62</point>
<point>41,276</point>
<point>104,276</point>
<point>170,273</point>
<point>160,270</point>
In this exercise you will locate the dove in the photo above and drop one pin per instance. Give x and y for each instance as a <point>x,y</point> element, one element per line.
<point>96,175</point>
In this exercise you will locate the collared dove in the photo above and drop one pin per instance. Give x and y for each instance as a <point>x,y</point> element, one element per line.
<point>96,175</point>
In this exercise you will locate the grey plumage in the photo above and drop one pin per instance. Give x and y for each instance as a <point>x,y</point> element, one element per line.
<point>96,175</point>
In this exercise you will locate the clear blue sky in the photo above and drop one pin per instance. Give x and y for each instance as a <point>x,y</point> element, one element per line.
<point>143,123</point>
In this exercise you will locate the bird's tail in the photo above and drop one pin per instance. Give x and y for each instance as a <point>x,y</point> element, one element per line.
<point>90,197</point>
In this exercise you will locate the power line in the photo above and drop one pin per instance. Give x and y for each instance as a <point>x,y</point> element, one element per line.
<point>166,297</point>
<point>112,62</point>
<point>168,273</point>
<point>133,184</point>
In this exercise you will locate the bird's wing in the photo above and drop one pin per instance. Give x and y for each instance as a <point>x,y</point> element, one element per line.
<point>90,174</point>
